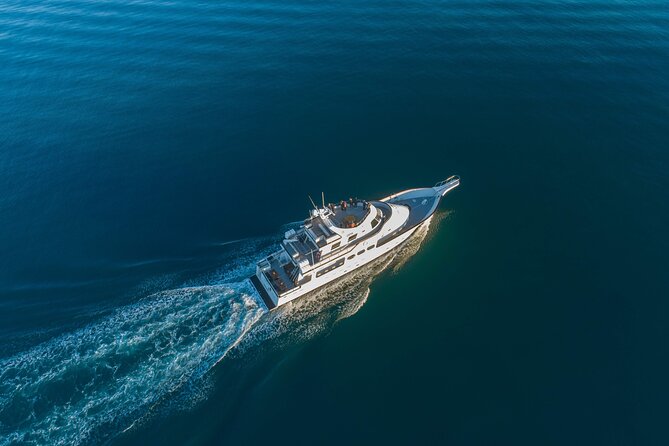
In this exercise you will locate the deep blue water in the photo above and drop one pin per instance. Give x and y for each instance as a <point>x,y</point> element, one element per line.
<point>152,151</point>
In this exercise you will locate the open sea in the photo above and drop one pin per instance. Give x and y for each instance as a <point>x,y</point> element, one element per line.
<point>151,151</point>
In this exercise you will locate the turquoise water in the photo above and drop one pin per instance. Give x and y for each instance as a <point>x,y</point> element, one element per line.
<point>152,151</point>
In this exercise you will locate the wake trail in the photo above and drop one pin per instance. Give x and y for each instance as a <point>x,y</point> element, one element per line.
<point>104,375</point>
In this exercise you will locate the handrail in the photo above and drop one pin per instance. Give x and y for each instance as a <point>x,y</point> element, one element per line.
<point>447,180</point>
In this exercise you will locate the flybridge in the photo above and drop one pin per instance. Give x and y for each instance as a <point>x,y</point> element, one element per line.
<point>336,239</point>
<point>330,229</point>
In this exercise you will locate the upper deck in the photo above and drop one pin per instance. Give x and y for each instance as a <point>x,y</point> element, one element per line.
<point>313,248</point>
<point>340,216</point>
<point>350,216</point>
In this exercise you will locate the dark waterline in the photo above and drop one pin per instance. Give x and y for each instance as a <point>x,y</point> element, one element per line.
<point>138,138</point>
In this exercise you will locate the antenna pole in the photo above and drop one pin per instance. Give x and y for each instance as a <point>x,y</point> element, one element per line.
<point>312,202</point>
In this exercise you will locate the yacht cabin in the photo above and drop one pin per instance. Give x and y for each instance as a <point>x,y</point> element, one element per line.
<point>329,232</point>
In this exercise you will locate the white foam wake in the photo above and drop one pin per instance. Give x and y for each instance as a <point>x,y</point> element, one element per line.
<point>79,387</point>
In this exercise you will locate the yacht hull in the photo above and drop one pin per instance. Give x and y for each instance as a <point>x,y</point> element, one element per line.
<point>421,205</point>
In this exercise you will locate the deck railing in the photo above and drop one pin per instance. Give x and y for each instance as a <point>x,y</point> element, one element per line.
<point>448,180</point>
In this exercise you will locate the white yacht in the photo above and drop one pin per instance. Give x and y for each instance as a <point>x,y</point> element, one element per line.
<point>337,239</point>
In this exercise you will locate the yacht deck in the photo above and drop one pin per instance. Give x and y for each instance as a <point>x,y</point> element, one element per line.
<point>420,208</point>
<point>350,217</point>
<point>279,277</point>
<point>301,246</point>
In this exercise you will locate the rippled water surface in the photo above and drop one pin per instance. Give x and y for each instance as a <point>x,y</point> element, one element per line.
<point>152,151</point>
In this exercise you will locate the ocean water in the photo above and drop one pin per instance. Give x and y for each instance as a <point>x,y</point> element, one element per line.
<point>152,151</point>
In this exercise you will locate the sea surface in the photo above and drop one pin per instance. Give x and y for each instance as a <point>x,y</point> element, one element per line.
<point>152,151</point>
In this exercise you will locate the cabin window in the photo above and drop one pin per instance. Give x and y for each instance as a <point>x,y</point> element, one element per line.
<point>361,252</point>
<point>350,257</point>
<point>375,222</point>
<point>353,237</point>
<point>305,279</point>
<point>335,246</point>
<point>371,247</point>
<point>327,269</point>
